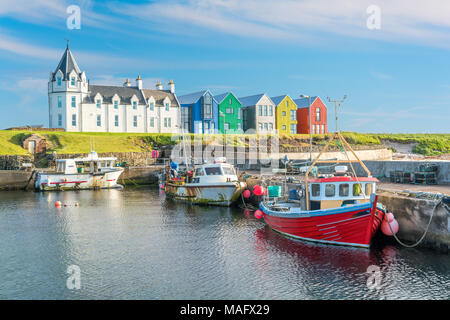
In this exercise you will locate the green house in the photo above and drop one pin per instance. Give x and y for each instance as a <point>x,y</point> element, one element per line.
<point>230,113</point>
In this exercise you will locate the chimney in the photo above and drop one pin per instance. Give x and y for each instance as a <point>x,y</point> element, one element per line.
<point>171,85</point>
<point>139,82</point>
<point>159,86</point>
<point>127,83</point>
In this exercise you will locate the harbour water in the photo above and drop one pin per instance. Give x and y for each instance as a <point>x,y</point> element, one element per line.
<point>133,244</point>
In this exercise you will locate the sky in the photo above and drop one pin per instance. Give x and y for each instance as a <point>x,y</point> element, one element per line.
<point>391,58</point>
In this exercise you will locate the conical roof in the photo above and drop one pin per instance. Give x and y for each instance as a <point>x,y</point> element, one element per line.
<point>67,64</point>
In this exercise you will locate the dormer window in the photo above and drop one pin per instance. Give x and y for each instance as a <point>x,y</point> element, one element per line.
<point>134,105</point>
<point>116,104</point>
<point>99,104</point>
<point>317,114</point>
<point>167,106</point>
<point>72,81</point>
<point>59,81</point>
<point>152,106</point>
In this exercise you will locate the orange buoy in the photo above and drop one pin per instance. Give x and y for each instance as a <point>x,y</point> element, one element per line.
<point>57,204</point>
<point>258,214</point>
<point>387,230</point>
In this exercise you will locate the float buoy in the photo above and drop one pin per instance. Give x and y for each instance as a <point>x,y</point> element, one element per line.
<point>387,230</point>
<point>57,204</point>
<point>390,216</point>
<point>76,204</point>
<point>258,190</point>
<point>258,214</point>
<point>246,194</point>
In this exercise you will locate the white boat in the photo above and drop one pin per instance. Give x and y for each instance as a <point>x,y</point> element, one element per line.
<point>210,184</point>
<point>91,172</point>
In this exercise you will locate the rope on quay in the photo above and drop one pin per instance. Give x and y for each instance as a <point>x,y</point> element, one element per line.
<point>426,229</point>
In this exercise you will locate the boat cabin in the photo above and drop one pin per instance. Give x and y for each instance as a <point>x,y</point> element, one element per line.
<point>90,164</point>
<point>213,173</point>
<point>335,192</point>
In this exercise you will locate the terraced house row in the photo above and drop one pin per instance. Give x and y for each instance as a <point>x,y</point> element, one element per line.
<point>77,105</point>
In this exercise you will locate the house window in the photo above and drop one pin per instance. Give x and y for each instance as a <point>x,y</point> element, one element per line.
<point>313,129</point>
<point>270,110</point>
<point>207,106</point>
<point>293,129</point>
<point>239,126</point>
<point>260,110</point>
<point>293,115</point>
<point>74,102</point>
<point>344,189</point>
<point>169,122</point>
<point>167,107</point>
<point>165,122</point>
<point>266,126</point>
<point>226,126</point>
<point>317,129</point>
<point>260,126</point>
<point>330,190</point>
<point>116,104</point>
<point>265,110</point>
<point>72,81</point>
<point>283,113</point>
<point>239,114</point>
<point>230,101</point>
<point>323,129</point>
<point>59,102</point>
<point>271,127</point>
<point>135,121</point>
<point>99,120</point>
<point>134,105</point>
<point>152,106</point>
<point>59,120</point>
<point>116,120</point>
<point>229,110</point>
<point>59,81</point>
<point>152,122</point>
<point>284,127</point>
<point>99,103</point>
<point>74,120</point>
<point>317,114</point>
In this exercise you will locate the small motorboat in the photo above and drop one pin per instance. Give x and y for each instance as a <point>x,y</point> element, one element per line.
<point>209,184</point>
<point>339,208</point>
<point>90,172</point>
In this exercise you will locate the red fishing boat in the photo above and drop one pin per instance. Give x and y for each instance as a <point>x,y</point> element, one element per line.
<point>338,208</point>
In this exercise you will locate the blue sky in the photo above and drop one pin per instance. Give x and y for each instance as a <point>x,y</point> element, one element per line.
<point>397,78</point>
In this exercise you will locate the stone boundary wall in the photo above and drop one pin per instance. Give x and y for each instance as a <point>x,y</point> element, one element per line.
<point>133,159</point>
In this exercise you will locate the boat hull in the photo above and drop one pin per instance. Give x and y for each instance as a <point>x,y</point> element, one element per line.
<point>221,194</point>
<point>81,181</point>
<point>350,225</point>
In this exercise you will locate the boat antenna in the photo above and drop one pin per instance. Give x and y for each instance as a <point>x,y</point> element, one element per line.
<point>337,103</point>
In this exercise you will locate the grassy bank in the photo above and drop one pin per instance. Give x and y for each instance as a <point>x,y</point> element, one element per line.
<point>77,142</point>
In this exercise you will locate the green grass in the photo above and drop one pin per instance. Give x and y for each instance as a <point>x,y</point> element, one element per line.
<point>80,142</point>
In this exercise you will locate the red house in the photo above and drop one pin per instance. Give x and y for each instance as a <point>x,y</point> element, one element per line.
<point>318,116</point>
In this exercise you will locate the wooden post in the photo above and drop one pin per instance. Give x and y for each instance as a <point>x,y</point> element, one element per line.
<point>350,148</point>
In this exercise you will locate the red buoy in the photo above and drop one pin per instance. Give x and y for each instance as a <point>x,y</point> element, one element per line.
<point>258,190</point>
<point>57,204</point>
<point>385,227</point>
<point>246,194</point>
<point>390,216</point>
<point>258,214</point>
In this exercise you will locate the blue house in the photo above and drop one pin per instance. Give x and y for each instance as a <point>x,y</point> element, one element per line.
<point>199,112</point>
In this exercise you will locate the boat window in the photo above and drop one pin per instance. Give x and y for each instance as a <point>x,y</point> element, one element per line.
<point>330,190</point>
<point>199,172</point>
<point>315,190</point>
<point>213,171</point>
<point>343,189</point>
<point>356,189</point>
<point>368,189</point>
<point>228,171</point>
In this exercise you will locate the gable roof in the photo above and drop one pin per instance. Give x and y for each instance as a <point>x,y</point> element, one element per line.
<point>67,64</point>
<point>303,102</point>
<point>107,92</point>
<point>277,100</point>
<point>192,98</point>
<point>220,97</point>
<point>160,95</point>
<point>251,100</point>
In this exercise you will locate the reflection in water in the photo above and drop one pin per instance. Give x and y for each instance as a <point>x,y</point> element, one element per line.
<point>133,244</point>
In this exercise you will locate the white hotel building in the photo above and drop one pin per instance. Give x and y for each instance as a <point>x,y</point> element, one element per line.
<point>76,105</point>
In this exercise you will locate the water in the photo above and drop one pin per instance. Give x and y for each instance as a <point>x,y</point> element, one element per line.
<point>132,244</point>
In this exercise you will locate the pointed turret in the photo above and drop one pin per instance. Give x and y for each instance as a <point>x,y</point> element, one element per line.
<point>67,64</point>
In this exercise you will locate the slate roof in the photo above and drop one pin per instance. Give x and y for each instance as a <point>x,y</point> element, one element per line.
<point>219,98</point>
<point>251,100</point>
<point>192,98</point>
<point>67,64</point>
<point>303,102</point>
<point>107,92</point>
<point>278,99</point>
<point>160,95</point>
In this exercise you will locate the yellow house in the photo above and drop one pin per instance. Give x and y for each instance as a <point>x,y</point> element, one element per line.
<point>286,114</point>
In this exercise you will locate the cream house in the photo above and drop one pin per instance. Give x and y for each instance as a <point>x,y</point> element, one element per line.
<point>77,105</point>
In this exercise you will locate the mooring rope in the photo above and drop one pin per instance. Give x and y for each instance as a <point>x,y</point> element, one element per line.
<point>424,234</point>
